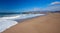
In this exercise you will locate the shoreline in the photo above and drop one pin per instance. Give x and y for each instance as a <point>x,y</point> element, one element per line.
<point>21,20</point>
<point>44,24</point>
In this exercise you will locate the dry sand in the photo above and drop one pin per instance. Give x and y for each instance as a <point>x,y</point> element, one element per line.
<point>44,24</point>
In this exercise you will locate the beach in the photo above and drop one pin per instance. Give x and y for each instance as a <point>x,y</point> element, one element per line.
<point>49,23</point>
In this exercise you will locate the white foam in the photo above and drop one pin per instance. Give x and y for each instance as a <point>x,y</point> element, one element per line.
<point>5,24</point>
<point>30,15</point>
<point>21,16</point>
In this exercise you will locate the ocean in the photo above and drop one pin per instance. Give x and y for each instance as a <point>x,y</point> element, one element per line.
<point>9,20</point>
<point>17,16</point>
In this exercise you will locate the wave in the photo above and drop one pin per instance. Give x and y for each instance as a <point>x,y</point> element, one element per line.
<point>20,16</point>
<point>9,21</point>
<point>5,24</point>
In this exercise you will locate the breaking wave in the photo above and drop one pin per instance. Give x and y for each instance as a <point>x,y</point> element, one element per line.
<point>8,21</point>
<point>20,16</point>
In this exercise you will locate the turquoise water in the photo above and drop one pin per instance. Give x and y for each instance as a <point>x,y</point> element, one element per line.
<point>6,14</point>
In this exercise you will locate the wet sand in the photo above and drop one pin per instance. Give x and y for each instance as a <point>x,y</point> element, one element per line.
<point>43,24</point>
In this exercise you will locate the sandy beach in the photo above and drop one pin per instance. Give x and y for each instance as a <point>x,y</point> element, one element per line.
<point>42,24</point>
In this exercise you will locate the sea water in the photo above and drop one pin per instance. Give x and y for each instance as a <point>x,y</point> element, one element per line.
<point>18,16</point>
<point>9,20</point>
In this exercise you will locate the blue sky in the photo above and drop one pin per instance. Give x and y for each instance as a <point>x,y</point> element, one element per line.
<point>24,5</point>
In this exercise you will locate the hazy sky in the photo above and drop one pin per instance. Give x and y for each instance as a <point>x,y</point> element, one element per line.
<point>25,5</point>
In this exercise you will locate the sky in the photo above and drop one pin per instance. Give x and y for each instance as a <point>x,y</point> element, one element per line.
<point>28,5</point>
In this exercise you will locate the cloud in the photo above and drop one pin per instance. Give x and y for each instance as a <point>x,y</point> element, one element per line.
<point>54,6</point>
<point>56,2</point>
